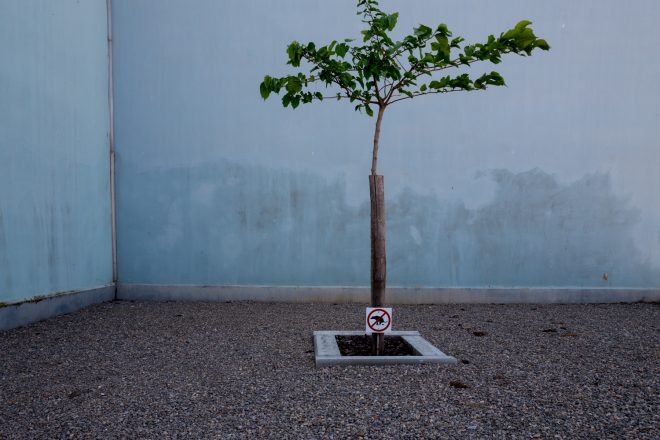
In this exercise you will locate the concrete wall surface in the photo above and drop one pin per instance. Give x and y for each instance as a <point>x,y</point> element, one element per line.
<point>55,233</point>
<point>549,182</point>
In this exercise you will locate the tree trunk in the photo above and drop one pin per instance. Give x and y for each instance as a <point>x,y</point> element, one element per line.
<point>378,258</point>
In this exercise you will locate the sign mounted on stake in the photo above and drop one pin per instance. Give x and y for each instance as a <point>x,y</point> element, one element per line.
<point>378,320</point>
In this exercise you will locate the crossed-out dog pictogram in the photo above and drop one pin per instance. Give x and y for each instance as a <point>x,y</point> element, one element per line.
<point>379,320</point>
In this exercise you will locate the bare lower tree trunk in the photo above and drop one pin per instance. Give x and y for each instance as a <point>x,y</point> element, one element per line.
<point>378,256</point>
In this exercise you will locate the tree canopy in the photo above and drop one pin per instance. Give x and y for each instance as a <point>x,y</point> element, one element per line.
<point>377,71</point>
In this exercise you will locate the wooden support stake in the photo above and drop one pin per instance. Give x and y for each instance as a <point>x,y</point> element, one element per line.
<point>378,257</point>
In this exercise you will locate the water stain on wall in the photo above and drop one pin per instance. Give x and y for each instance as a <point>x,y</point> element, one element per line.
<point>51,243</point>
<point>228,223</point>
<point>539,231</point>
<point>5,273</point>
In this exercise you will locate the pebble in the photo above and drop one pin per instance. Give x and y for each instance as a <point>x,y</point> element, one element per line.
<point>245,370</point>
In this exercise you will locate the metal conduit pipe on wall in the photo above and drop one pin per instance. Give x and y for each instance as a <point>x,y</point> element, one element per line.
<point>111,137</point>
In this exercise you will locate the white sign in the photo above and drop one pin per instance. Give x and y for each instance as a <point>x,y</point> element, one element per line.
<point>378,320</point>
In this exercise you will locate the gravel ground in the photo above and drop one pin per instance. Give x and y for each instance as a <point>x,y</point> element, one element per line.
<point>246,370</point>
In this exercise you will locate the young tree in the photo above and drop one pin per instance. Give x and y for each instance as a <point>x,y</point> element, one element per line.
<point>380,72</point>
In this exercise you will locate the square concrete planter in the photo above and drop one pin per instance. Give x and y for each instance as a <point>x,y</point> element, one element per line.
<point>327,353</point>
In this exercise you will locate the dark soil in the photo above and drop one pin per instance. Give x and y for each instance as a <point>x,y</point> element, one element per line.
<point>361,346</point>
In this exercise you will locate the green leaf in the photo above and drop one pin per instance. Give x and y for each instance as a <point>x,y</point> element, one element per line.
<point>295,54</point>
<point>457,41</point>
<point>511,33</point>
<point>423,32</point>
<point>368,109</point>
<point>423,88</point>
<point>391,21</point>
<point>442,46</point>
<point>341,49</point>
<point>265,93</point>
<point>428,58</point>
<point>525,38</point>
<point>542,44</point>
<point>496,79</point>
<point>293,85</point>
<point>380,24</point>
<point>367,35</point>
<point>443,30</point>
<point>523,24</point>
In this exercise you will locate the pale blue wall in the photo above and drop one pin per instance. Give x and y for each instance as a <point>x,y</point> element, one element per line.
<point>551,181</point>
<point>54,174</point>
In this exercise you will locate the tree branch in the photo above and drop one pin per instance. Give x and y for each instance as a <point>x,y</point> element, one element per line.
<point>456,62</point>
<point>336,80</point>
<point>374,155</point>
<point>435,92</point>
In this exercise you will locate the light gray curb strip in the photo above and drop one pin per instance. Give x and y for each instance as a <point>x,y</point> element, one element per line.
<point>326,351</point>
<point>16,315</point>
<point>395,295</point>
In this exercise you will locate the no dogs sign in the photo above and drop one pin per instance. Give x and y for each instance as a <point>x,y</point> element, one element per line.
<point>379,320</point>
